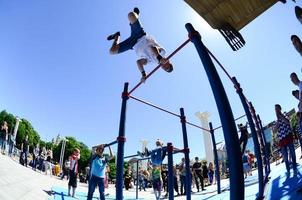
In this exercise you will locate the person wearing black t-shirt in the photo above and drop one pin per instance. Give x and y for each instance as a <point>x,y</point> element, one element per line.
<point>243,137</point>
<point>25,150</point>
<point>197,171</point>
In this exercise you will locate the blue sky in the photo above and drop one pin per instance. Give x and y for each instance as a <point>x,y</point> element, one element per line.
<point>57,73</point>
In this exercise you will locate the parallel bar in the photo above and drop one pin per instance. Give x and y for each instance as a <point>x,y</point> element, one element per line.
<point>198,126</point>
<point>167,111</point>
<point>226,118</point>
<point>131,156</point>
<point>158,66</point>
<point>218,127</point>
<point>217,172</point>
<point>120,148</point>
<point>110,144</point>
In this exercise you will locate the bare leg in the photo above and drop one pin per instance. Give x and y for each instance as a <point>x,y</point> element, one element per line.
<point>69,187</point>
<point>73,191</point>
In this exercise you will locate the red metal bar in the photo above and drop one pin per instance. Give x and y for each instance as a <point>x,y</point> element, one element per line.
<point>167,111</point>
<point>158,66</point>
<point>154,106</point>
<point>225,71</point>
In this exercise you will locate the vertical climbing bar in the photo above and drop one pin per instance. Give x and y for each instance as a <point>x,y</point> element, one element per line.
<point>266,148</point>
<point>170,171</point>
<point>186,152</point>
<point>217,171</point>
<point>120,147</point>
<point>226,117</point>
<point>260,137</point>
<point>254,135</point>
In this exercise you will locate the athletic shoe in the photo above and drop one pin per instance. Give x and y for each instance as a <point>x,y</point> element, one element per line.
<point>136,10</point>
<point>111,37</point>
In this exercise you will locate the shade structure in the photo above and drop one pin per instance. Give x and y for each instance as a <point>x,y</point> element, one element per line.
<point>237,13</point>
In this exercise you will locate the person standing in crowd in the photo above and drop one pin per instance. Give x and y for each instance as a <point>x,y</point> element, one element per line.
<point>205,173</point>
<point>11,143</point>
<point>182,171</point>
<point>66,168</point>
<point>128,178</point>
<point>25,150</point>
<point>141,180</point>
<point>211,173</point>
<point>246,165</point>
<point>73,172</point>
<point>197,171</point>
<point>48,165</point>
<point>107,176</point>
<point>36,152</point>
<point>98,166</point>
<point>284,134</point>
<point>3,136</point>
<point>175,177</point>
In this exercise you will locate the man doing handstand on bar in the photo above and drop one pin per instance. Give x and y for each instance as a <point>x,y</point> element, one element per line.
<point>146,48</point>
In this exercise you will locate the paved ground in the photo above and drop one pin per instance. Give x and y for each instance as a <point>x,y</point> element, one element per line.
<point>18,182</point>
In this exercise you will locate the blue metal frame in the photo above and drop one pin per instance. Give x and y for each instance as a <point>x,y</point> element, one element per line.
<point>254,136</point>
<point>226,117</point>
<point>217,172</point>
<point>186,152</point>
<point>170,171</point>
<point>120,147</point>
<point>265,150</point>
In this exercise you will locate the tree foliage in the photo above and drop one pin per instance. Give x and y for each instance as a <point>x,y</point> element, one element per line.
<point>25,128</point>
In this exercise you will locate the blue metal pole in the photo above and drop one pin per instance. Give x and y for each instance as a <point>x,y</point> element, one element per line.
<point>170,171</point>
<point>120,148</point>
<point>265,142</point>
<point>260,135</point>
<point>136,180</point>
<point>217,171</point>
<point>254,135</point>
<point>226,117</point>
<point>186,152</point>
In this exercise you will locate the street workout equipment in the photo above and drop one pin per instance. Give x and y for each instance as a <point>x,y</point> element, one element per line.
<point>226,118</point>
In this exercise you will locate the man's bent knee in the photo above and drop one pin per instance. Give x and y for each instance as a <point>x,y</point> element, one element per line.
<point>132,17</point>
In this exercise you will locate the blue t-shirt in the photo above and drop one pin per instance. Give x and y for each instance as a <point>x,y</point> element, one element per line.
<point>158,155</point>
<point>98,166</point>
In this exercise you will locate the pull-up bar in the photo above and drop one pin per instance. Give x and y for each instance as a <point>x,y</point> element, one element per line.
<point>158,66</point>
<point>167,111</point>
<point>234,120</point>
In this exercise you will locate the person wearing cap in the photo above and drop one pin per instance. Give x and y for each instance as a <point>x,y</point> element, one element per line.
<point>98,166</point>
<point>145,46</point>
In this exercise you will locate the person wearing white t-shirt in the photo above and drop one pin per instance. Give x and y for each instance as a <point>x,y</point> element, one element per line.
<point>145,46</point>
